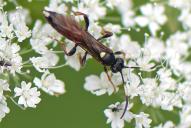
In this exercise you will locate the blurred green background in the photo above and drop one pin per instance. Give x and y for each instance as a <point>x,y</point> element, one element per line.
<point>77,108</point>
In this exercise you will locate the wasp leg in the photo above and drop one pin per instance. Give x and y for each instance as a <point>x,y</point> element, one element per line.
<point>85,18</point>
<point>71,52</point>
<point>120,53</point>
<point>63,46</point>
<point>105,34</point>
<point>109,78</point>
<point>83,59</point>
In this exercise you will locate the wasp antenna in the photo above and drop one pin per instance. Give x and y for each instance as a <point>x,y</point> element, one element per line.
<point>126,96</point>
<point>132,67</point>
<point>122,77</point>
<point>126,105</point>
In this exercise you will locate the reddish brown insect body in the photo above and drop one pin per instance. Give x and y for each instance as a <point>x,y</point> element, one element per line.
<point>68,27</point>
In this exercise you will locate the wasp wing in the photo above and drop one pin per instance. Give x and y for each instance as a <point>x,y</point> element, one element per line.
<point>65,25</point>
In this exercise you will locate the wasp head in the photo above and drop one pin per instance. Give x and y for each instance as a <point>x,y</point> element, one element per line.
<point>118,65</point>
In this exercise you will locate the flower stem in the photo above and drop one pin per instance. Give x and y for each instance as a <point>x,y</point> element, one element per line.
<point>12,99</point>
<point>26,51</point>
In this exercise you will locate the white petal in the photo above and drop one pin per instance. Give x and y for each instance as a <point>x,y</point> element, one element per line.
<point>153,27</point>
<point>142,21</point>
<point>17,91</point>
<point>22,101</point>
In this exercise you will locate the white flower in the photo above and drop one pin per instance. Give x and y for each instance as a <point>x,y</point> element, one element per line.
<point>185,117</point>
<point>6,29</point>
<point>114,113</point>
<point>99,86</point>
<point>112,42</point>
<point>47,60</point>
<point>185,70</point>
<point>57,6</point>
<point>42,36</point>
<point>28,96</point>
<point>113,3</point>
<point>131,48</point>
<point>92,8</point>
<point>128,18</point>
<point>4,86</point>
<point>3,108</point>
<point>39,45</point>
<point>156,47</point>
<point>50,84</point>
<point>168,100</point>
<point>184,90</point>
<point>114,28</point>
<point>132,85</point>
<point>153,17</point>
<point>9,53</point>
<point>25,15</point>
<point>177,47</point>
<point>126,11</point>
<point>168,124</point>
<point>20,28</point>
<point>142,120</point>
<point>166,81</point>
<point>185,17</point>
<point>44,31</point>
<point>181,4</point>
<point>124,5</point>
<point>95,29</point>
<point>144,60</point>
<point>148,91</point>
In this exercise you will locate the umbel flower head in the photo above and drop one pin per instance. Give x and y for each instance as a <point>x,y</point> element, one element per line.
<point>28,96</point>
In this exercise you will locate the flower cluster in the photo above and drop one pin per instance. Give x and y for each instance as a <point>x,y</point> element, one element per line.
<point>14,31</point>
<point>160,50</point>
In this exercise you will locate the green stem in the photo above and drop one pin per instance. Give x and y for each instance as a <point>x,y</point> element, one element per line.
<point>26,51</point>
<point>12,99</point>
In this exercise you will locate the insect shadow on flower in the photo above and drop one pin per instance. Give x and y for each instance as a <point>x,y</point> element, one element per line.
<point>68,27</point>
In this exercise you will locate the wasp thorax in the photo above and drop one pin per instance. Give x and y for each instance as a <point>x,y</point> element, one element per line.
<point>108,58</point>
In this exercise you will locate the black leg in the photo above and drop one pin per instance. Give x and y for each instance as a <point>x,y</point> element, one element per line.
<point>71,52</point>
<point>120,53</point>
<point>63,46</point>
<point>109,78</point>
<point>83,59</point>
<point>85,18</point>
<point>105,34</point>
